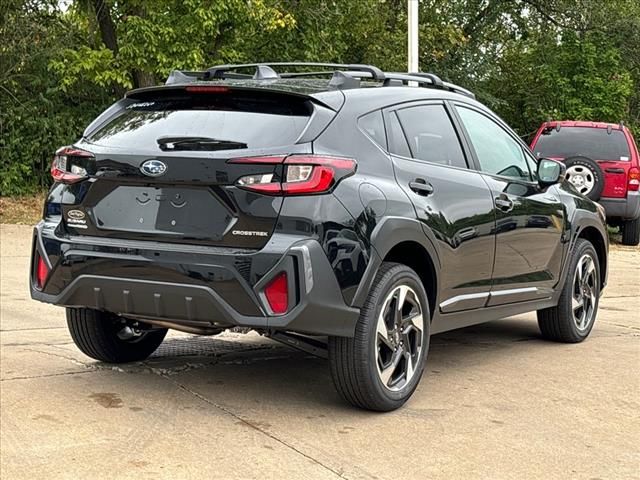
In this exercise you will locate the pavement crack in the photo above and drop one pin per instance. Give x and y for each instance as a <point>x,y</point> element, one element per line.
<point>253,425</point>
<point>28,329</point>
<point>65,357</point>
<point>620,325</point>
<point>47,375</point>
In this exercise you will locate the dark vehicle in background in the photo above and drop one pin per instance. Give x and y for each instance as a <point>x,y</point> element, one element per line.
<point>346,211</point>
<point>602,163</point>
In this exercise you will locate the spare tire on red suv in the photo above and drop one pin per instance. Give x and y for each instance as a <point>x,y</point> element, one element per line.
<point>586,176</point>
<point>603,163</point>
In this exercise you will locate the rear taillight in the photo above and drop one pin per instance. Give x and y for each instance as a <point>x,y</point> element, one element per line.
<point>70,165</point>
<point>42,271</point>
<point>302,174</point>
<point>277,293</point>
<point>634,179</point>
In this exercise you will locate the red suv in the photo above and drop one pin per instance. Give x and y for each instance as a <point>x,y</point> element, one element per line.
<point>602,163</point>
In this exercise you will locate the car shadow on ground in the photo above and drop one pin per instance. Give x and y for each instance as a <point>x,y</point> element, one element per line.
<point>262,373</point>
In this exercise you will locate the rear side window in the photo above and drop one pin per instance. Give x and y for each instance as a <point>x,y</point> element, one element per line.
<point>254,120</point>
<point>431,135</point>
<point>373,125</point>
<point>595,143</point>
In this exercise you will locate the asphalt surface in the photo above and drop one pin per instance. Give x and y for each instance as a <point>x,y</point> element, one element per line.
<point>497,402</point>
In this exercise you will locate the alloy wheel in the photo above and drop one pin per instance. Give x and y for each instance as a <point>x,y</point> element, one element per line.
<point>584,294</point>
<point>399,337</point>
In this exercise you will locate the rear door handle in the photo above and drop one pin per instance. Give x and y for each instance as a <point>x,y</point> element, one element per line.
<point>504,204</point>
<point>421,187</point>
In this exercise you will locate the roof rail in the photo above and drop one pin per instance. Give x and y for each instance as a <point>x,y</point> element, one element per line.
<point>428,80</point>
<point>344,76</point>
<point>434,78</point>
<point>220,71</point>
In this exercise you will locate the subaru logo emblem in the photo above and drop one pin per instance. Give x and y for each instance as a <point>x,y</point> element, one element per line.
<point>153,168</point>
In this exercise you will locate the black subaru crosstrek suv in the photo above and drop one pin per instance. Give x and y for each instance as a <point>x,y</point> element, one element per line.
<point>340,209</point>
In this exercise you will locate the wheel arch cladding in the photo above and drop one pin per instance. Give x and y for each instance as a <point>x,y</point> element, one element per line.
<point>593,236</point>
<point>416,257</point>
<point>402,240</point>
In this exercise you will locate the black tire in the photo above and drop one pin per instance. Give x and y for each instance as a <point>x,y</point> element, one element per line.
<point>595,171</point>
<point>354,361</point>
<point>631,232</point>
<point>558,323</point>
<point>95,333</point>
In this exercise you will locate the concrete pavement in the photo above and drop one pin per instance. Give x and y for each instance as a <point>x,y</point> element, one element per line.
<point>497,402</point>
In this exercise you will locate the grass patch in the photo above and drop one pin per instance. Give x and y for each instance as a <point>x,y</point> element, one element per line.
<point>23,210</point>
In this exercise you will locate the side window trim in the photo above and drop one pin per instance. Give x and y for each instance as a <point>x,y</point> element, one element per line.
<point>530,158</point>
<point>388,117</point>
<point>465,141</point>
<point>518,140</point>
<point>460,133</point>
<point>404,132</point>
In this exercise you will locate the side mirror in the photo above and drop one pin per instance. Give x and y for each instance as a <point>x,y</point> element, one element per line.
<point>550,172</point>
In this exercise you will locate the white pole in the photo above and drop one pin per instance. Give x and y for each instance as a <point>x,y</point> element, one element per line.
<point>412,27</point>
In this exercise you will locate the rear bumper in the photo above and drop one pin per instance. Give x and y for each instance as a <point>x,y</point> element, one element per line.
<point>624,208</point>
<point>198,287</point>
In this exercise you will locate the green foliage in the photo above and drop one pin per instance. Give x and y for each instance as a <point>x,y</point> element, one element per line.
<point>569,78</point>
<point>36,116</point>
<point>156,36</point>
<point>64,62</point>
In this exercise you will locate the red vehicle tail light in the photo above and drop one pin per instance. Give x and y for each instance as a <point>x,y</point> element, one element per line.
<point>42,271</point>
<point>315,174</point>
<point>302,174</point>
<point>70,165</point>
<point>634,179</point>
<point>277,293</point>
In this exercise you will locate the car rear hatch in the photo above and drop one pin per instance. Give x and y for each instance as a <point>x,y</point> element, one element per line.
<point>160,165</point>
<point>606,145</point>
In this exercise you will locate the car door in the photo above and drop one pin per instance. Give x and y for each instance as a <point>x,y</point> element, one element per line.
<point>453,203</point>
<point>529,221</point>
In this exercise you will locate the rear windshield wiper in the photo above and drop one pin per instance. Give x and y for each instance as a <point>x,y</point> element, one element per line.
<point>198,143</point>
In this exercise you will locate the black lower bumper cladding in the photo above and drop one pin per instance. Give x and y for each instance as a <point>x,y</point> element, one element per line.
<point>203,289</point>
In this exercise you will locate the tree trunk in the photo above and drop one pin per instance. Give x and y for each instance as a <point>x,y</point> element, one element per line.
<point>107,33</point>
<point>143,79</point>
<point>107,27</point>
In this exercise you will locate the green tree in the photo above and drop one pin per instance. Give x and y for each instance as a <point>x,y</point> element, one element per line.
<point>136,43</point>
<point>63,62</point>
<point>35,116</point>
<point>565,78</point>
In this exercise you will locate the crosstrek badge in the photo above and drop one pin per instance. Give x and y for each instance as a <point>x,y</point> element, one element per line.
<point>249,233</point>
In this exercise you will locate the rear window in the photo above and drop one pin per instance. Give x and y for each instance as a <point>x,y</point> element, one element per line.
<point>595,143</point>
<point>257,120</point>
